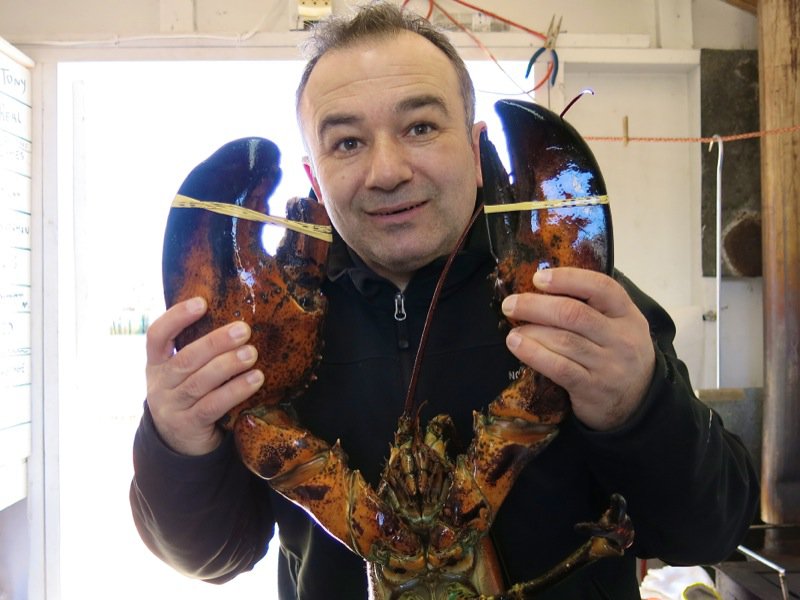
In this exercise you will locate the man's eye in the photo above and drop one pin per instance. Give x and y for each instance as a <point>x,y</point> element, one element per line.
<point>421,129</point>
<point>347,144</point>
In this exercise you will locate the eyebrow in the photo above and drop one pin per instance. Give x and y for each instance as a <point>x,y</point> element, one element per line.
<point>335,120</point>
<point>405,105</point>
<point>415,102</point>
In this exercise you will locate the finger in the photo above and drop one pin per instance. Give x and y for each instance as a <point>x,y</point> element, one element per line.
<point>571,346</point>
<point>214,352</point>
<point>215,373</point>
<point>191,429</point>
<point>560,312</point>
<point>162,332</point>
<point>598,290</point>
<point>567,373</point>
<point>233,392</point>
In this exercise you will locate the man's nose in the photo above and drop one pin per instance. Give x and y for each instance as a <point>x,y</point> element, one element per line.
<point>389,164</point>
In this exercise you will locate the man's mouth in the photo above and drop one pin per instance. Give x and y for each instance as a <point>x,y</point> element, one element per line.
<point>396,211</point>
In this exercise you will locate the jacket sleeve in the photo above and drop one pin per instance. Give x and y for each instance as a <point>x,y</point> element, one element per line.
<point>207,517</point>
<point>690,484</point>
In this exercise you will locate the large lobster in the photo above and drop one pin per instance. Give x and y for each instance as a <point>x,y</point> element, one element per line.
<point>423,529</point>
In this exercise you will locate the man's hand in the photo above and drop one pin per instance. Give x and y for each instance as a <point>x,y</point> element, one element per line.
<point>188,391</point>
<point>587,335</point>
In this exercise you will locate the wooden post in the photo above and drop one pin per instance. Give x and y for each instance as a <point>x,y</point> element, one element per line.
<point>779,84</point>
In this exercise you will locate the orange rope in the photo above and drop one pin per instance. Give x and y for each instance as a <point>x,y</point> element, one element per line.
<point>706,140</point>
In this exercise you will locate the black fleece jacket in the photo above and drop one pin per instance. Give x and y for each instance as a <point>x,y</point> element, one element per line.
<point>690,485</point>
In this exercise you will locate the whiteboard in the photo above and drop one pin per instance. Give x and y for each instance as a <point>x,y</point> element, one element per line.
<point>15,272</point>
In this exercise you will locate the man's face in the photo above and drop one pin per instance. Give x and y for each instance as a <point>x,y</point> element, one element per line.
<point>390,155</point>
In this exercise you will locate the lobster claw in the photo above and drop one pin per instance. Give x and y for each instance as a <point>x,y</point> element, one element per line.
<point>555,213</point>
<point>243,172</point>
<point>220,257</point>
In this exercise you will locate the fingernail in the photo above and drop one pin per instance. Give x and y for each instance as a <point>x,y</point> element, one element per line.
<point>542,278</point>
<point>254,377</point>
<point>239,331</point>
<point>246,353</point>
<point>513,340</point>
<point>196,305</point>
<point>509,304</point>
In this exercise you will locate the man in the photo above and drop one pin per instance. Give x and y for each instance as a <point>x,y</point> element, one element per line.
<point>386,112</point>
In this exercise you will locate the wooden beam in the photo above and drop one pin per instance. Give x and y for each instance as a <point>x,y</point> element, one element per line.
<point>779,82</point>
<point>750,6</point>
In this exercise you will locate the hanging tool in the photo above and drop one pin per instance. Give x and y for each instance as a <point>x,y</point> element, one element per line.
<point>549,46</point>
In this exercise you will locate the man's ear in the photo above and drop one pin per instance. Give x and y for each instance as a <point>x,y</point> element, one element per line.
<point>309,168</point>
<point>477,128</point>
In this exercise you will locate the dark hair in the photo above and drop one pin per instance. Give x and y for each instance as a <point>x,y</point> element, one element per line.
<point>382,19</point>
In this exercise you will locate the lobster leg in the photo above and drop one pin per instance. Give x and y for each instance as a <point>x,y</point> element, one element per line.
<point>611,536</point>
<point>315,476</point>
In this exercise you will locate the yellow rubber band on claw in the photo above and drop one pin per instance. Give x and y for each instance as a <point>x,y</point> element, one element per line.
<point>321,232</point>
<point>548,204</point>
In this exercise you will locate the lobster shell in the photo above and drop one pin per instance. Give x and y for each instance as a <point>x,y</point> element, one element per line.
<point>550,161</point>
<point>222,259</point>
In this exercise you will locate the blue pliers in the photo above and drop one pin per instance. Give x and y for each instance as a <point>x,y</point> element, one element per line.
<point>549,45</point>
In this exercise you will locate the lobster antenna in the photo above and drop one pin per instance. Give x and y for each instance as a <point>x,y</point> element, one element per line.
<point>412,386</point>
<point>574,100</point>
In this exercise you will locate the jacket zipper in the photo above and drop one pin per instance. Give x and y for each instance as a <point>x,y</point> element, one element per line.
<point>406,358</point>
<point>399,307</point>
<point>400,317</point>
